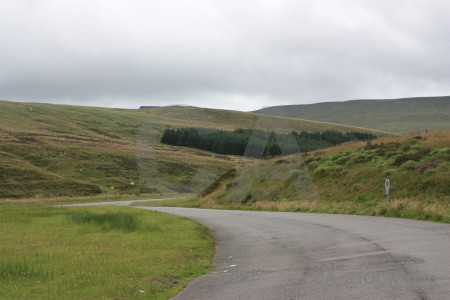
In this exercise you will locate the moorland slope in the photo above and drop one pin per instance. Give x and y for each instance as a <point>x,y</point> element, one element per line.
<point>51,150</point>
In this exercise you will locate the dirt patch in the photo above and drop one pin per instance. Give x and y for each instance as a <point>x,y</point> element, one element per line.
<point>230,174</point>
<point>425,166</point>
<point>102,132</point>
<point>410,156</point>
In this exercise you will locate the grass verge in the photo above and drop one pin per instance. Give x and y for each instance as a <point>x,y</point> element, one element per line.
<point>98,252</point>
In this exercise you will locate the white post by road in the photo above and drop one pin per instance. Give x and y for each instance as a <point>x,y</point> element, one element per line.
<point>387,185</point>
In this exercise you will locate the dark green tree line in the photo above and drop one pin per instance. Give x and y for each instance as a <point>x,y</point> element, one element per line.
<point>258,143</point>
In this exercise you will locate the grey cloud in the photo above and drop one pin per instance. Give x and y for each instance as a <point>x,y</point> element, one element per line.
<point>219,54</point>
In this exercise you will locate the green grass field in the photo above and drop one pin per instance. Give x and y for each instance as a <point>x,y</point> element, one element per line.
<point>98,253</point>
<point>408,115</point>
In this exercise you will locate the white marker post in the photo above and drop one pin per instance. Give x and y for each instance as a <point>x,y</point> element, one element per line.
<point>387,185</point>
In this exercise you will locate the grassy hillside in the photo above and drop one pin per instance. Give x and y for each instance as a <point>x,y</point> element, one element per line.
<point>58,150</point>
<point>407,115</point>
<point>346,179</point>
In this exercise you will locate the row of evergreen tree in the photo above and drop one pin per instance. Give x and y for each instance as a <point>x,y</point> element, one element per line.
<point>258,143</point>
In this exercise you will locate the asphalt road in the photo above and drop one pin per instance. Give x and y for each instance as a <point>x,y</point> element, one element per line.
<point>114,203</point>
<point>272,255</point>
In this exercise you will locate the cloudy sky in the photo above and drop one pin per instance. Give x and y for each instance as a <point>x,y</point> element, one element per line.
<point>240,55</point>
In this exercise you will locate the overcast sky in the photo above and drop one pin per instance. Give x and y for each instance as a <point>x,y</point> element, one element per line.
<point>239,55</point>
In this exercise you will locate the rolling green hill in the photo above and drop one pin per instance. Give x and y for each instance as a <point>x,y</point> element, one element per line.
<point>59,150</point>
<point>407,115</point>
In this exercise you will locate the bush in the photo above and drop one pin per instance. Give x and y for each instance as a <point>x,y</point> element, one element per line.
<point>410,165</point>
<point>356,187</point>
<point>430,172</point>
<point>444,167</point>
<point>390,172</point>
<point>413,141</point>
<point>314,165</point>
<point>428,165</point>
<point>325,170</point>
<point>361,198</point>
<point>409,156</point>
<point>321,171</point>
<point>296,174</point>
<point>342,160</point>
<point>246,198</point>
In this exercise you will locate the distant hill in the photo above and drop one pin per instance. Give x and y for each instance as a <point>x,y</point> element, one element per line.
<point>145,107</point>
<point>406,115</point>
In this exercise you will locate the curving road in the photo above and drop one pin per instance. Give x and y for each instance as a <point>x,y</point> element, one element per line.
<point>273,255</point>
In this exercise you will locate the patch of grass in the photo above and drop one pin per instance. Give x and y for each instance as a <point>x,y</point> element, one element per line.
<point>108,221</point>
<point>21,269</point>
<point>95,253</point>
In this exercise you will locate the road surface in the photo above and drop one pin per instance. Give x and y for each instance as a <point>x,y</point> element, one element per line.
<point>114,203</point>
<point>274,255</point>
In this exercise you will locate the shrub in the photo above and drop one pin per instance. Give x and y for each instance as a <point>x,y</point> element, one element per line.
<point>416,147</point>
<point>342,160</point>
<point>430,172</point>
<point>322,171</point>
<point>246,198</point>
<point>296,174</point>
<point>356,187</point>
<point>310,159</point>
<point>444,167</point>
<point>410,165</point>
<point>390,172</point>
<point>314,165</point>
<point>338,169</point>
<point>427,165</point>
<point>410,156</point>
<point>325,170</point>
<point>413,141</point>
<point>406,148</point>
<point>361,198</point>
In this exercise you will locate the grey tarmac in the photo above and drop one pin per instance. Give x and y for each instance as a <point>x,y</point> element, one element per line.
<point>114,203</point>
<point>278,255</point>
